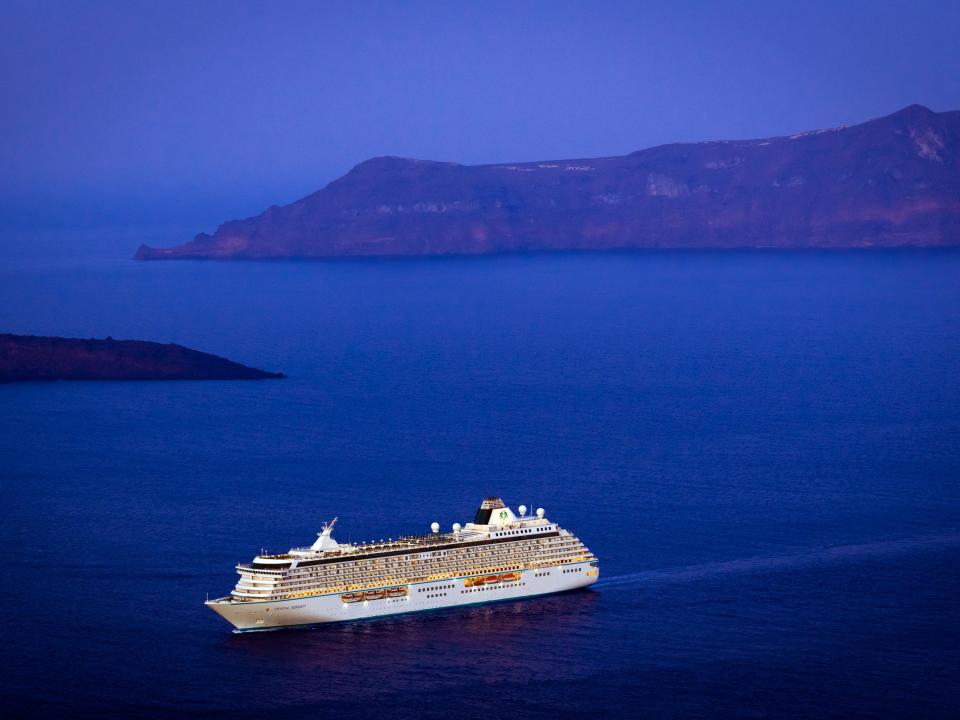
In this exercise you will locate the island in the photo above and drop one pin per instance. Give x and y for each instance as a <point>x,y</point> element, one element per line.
<point>29,357</point>
<point>890,182</point>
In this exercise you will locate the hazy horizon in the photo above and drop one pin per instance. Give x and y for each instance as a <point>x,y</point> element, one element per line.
<point>190,115</point>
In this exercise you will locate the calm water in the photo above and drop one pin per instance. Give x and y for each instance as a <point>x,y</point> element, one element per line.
<point>762,448</point>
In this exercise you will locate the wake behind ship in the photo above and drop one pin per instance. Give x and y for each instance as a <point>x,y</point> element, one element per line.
<point>498,556</point>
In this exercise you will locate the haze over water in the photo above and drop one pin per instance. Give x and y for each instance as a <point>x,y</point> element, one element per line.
<point>762,448</point>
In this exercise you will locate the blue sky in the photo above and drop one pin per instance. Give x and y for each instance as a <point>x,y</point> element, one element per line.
<point>174,111</point>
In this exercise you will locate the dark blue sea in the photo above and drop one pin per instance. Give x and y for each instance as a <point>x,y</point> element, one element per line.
<point>763,448</point>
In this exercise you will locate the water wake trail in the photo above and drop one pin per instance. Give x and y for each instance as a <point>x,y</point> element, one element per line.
<point>777,563</point>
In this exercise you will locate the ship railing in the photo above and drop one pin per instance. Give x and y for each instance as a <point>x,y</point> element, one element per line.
<point>405,541</point>
<point>249,567</point>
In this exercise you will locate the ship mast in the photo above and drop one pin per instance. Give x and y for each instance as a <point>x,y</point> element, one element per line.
<point>325,539</point>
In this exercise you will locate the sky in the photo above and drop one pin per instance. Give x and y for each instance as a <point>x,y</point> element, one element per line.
<point>125,112</point>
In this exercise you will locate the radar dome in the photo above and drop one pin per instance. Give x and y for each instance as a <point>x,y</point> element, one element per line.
<point>456,527</point>
<point>435,527</point>
<point>523,510</point>
<point>540,513</point>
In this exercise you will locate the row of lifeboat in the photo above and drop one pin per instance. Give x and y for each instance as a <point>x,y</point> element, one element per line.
<point>393,592</point>
<point>491,579</point>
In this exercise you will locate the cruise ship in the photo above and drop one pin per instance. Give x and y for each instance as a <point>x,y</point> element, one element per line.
<point>501,555</point>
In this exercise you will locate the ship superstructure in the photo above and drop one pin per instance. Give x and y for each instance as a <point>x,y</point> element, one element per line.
<point>499,556</point>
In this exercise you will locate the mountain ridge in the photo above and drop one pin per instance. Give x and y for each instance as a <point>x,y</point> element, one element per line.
<point>888,182</point>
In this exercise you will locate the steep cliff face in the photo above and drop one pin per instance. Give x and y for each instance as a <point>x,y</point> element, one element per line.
<point>889,182</point>
<point>29,357</point>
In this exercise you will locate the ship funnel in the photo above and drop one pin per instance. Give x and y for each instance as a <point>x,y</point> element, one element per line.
<point>493,511</point>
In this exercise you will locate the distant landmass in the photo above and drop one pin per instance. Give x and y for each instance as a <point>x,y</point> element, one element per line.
<point>889,182</point>
<point>29,357</point>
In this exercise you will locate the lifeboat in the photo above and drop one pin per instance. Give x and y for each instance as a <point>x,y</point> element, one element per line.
<point>510,577</point>
<point>352,597</point>
<point>396,592</point>
<point>491,579</point>
<point>473,582</point>
<point>374,594</point>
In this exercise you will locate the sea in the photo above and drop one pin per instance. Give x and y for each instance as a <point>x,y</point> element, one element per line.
<point>761,447</point>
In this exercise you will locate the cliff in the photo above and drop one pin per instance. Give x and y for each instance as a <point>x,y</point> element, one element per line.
<point>28,357</point>
<point>889,182</point>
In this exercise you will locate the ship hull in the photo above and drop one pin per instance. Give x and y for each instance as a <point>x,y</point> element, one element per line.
<point>434,595</point>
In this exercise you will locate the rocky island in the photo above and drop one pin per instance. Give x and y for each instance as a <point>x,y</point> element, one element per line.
<point>29,357</point>
<point>890,182</point>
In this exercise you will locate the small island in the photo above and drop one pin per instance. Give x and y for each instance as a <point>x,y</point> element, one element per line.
<point>30,357</point>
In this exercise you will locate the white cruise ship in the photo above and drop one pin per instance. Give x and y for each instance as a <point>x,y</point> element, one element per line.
<point>498,556</point>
